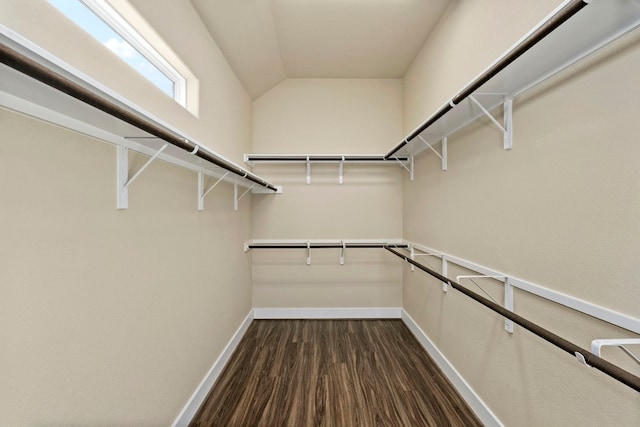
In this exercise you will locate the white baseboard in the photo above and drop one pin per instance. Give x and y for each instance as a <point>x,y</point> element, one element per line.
<point>328,313</point>
<point>483,412</point>
<point>194,402</point>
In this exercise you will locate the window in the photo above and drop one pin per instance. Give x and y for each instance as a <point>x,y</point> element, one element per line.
<point>106,25</point>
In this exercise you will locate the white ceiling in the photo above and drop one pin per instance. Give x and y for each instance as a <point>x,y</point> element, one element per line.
<point>266,41</point>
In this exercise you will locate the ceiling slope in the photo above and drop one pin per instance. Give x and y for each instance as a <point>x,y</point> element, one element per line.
<point>266,41</point>
<point>244,31</point>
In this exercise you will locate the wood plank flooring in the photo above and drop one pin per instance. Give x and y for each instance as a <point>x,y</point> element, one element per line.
<point>332,373</point>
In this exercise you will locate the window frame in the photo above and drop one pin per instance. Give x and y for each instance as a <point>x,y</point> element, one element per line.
<point>119,24</point>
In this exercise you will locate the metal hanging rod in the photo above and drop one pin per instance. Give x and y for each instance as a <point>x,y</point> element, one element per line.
<point>340,159</point>
<point>321,246</point>
<point>329,158</point>
<point>558,19</point>
<point>581,354</point>
<point>343,245</point>
<point>37,71</point>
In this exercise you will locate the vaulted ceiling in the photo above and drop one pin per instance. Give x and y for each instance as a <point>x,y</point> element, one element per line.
<point>267,41</point>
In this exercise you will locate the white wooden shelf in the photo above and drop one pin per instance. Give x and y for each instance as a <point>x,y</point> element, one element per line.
<point>252,159</point>
<point>309,244</point>
<point>339,159</point>
<point>549,48</point>
<point>21,93</point>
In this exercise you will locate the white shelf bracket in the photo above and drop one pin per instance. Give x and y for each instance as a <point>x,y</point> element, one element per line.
<point>308,171</point>
<point>344,246</point>
<point>409,169</point>
<point>122,164</point>
<point>202,193</point>
<point>413,252</point>
<point>123,181</point>
<point>414,255</point>
<point>506,128</point>
<point>508,124</point>
<point>508,304</point>
<point>508,300</point>
<point>237,198</point>
<point>443,155</point>
<point>472,276</point>
<point>596,346</point>
<point>445,271</point>
<point>308,253</point>
<point>341,172</point>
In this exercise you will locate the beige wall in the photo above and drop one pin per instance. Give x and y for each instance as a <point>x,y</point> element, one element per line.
<point>560,209</point>
<point>315,116</point>
<point>114,317</point>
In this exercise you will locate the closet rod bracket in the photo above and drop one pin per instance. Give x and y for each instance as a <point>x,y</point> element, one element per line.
<point>507,126</point>
<point>508,304</point>
<point>237,198</point>
<point>508,293</point>
<point>596,346</point>
<point>123,182</point>
<point>202,193</point>
<point>445,272</point>
<point>443,148</point>
<point>408,168</point>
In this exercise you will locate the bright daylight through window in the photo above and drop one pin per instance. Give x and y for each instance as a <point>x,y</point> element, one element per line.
<point>100,20</point>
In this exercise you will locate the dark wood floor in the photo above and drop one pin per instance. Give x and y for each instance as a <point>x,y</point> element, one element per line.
<point>332,373</point>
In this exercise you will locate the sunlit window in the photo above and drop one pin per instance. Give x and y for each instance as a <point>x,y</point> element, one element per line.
<point>100,20</point>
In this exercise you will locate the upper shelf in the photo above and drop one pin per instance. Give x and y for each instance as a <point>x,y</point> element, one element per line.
<point>340,159</point>
<point>36,83</point>
<point>576,29</point>
<point>252,159</point>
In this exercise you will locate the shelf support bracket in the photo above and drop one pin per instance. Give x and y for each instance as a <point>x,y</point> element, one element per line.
<point>236,199</point>
<point>443,155</point>
<point>508,124</point>
<point>202,193</point>
<point>341,172</point>
<point>507,128</point>
<point>414,255</point>
<point>409,169</point>
<point>123,181</point>
<point>308,253</point>
<point>344,246</point>
<point>508,294</point>
<point>445,272</point>
<point>444,152</point>
<point>596,346</point>
<point>308,171</point>
<point>122,164</point>
<point>508,304</point>
<point>413,252</point>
